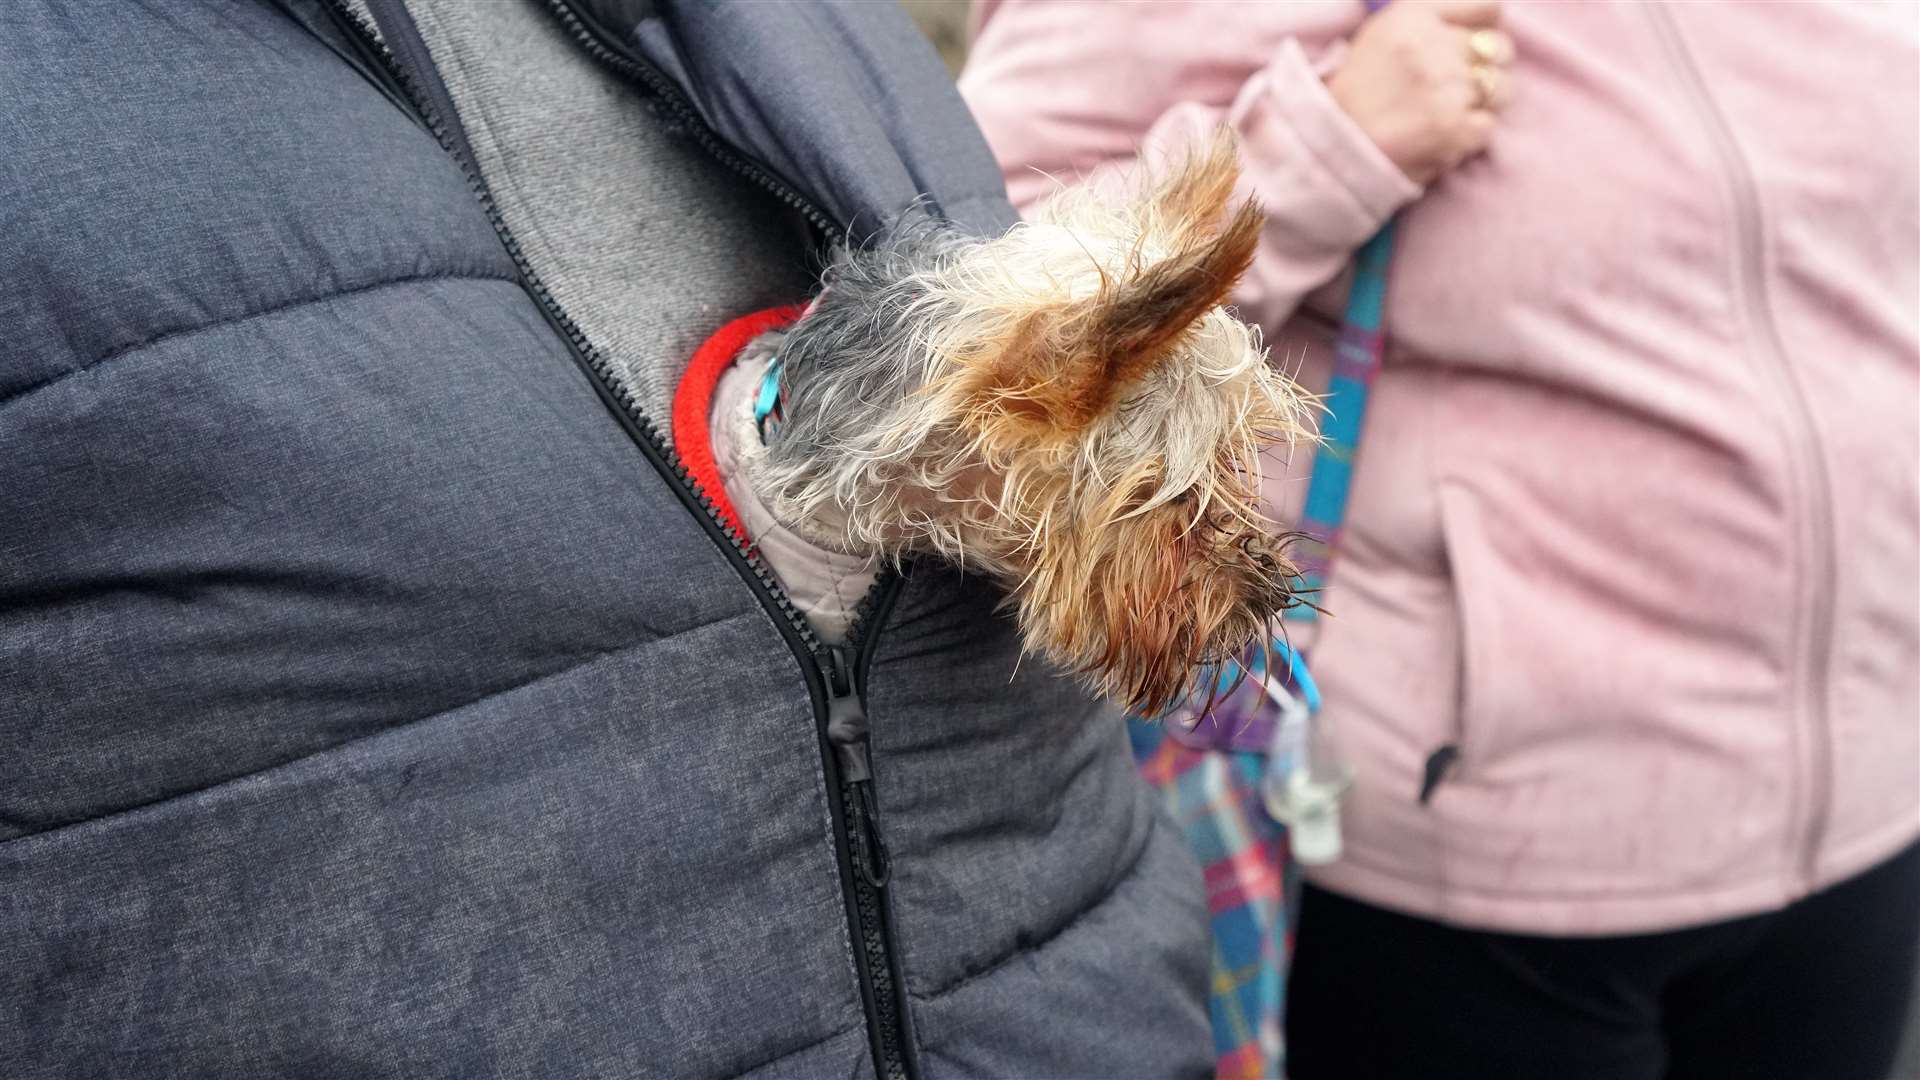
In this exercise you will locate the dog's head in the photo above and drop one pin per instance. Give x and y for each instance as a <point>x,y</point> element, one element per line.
<point>1067,407</point>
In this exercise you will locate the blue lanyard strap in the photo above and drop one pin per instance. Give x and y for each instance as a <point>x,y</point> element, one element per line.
<point>1357,357</point>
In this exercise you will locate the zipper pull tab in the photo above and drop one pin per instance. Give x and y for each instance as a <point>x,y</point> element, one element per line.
<point>846,716</point>
<point>870,859</point>
<point>837,666</point>
<point>847,731</point>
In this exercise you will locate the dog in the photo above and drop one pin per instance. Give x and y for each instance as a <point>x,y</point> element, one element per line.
<point>1068,408</point>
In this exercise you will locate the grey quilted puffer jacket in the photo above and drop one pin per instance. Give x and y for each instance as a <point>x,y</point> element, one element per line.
<point>377,699</point>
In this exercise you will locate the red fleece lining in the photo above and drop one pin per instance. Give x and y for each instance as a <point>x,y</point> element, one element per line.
<point>693,403</point>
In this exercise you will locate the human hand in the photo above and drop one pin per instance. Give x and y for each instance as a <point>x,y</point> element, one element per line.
<point>1425,80</point>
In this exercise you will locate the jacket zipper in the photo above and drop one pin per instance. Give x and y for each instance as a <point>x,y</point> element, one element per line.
<point>1813,637</point>
<point>867,867</point>
<point>836,678</point>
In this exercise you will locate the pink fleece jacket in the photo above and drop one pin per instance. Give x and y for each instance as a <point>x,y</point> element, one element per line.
<point>1637,519</point>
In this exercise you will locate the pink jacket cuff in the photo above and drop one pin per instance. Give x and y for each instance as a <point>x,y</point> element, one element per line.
<point>1299,109</point>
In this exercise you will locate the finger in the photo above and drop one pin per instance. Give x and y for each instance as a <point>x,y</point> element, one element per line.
<point>1466,12</point>
<point>1493,87</point>
<point>1476,133</point>
<point>1490,46</point>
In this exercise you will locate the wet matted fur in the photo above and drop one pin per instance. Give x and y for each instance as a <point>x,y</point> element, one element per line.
<point>1068,408</point>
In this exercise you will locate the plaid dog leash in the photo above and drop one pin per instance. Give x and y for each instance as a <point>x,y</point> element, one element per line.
<point>1214,773</point>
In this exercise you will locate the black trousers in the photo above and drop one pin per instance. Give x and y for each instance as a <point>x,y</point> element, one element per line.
<point>1817,991</point>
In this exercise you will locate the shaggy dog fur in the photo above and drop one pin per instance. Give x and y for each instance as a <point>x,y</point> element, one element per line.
<point>1067,408</point>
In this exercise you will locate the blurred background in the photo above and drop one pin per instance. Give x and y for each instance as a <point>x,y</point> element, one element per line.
<point>945,23</point>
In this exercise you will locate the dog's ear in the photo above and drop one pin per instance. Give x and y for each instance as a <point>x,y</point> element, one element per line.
<point>1193,198</point>
<point>1067,361</point>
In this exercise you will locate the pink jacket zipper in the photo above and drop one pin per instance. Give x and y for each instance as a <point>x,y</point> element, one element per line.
<point>1812,612</point>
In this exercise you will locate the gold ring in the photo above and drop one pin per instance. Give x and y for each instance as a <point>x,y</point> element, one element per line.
<point>1490,46</point>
